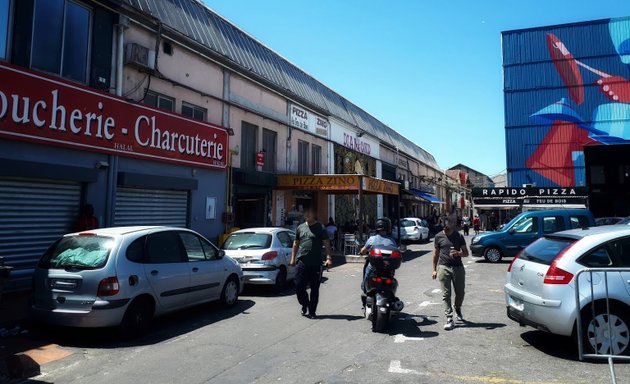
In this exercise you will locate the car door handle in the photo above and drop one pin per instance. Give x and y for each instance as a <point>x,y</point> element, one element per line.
<point>195,269</point>
<point>154,272</point>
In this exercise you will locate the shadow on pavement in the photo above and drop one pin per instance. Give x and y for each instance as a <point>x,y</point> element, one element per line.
<point>268,291</point>
<point>505,260</point>
<point>340,317</point>
<point>426,321</point>
<point>164,328</point>
<point>407,325</point>
<point>561,347</point>
<point>412,255</point>
<point>558,346</point>
<point>471,324</point>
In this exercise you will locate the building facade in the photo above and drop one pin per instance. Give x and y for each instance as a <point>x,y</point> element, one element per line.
<point>565,86</point>
<point>72,133</point>
<point>165,113</point>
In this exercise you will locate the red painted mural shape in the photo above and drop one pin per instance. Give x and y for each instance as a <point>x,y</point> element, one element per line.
<point>553,157</point>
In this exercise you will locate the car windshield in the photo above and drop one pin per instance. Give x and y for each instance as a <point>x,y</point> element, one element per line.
<point>625,221</point>
<point>408,223</point>
<point>546,249</point>
<point>247,240</point>
<point>78,252</point>
<point>511,222</point>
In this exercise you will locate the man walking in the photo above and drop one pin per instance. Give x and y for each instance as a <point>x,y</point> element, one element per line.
<point>448,268</point>
<point>307,259</point>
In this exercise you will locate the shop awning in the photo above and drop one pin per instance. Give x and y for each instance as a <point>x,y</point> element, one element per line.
<point>338,184</point>
<point>427,197</point>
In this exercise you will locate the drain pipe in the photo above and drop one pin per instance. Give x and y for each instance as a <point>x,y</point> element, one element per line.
<point>123,23</point>
<point>112,171</point>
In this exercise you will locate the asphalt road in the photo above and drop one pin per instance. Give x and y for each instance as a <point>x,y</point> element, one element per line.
<point>263,339</point>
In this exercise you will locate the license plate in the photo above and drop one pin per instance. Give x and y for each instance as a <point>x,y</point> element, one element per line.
<point>516,303</point>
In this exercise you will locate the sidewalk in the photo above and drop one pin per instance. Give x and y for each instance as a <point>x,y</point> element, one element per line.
<point>20,354</point>
<point>340,258</point>
<point>13,307</point>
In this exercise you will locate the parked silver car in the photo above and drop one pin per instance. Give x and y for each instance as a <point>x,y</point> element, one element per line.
<point>412,229</point>
<point>127,275</point>
<point>540,286</point>
<point>263,253</point>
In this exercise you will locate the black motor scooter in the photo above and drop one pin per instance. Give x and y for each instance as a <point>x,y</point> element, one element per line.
<point>381,285</point>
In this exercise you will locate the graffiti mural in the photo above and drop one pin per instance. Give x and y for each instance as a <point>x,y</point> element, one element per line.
<point>565,87</point>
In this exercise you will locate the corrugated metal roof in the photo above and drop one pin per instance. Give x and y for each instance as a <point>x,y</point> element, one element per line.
<point>197,22</point>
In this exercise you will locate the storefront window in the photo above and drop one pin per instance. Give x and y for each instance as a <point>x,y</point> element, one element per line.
<point>61,38</point>
<point>4,27</point>
<point>302,157</point>
<point>316,159</point>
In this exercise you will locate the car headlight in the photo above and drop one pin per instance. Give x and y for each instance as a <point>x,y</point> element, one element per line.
<point>475,240</point>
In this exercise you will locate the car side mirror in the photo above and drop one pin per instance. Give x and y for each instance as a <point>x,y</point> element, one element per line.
<point>221,254</point>
<point>512,231</point>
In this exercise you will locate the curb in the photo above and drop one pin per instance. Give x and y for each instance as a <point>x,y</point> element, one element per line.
<point>354,259</point>
<point>18,367</point>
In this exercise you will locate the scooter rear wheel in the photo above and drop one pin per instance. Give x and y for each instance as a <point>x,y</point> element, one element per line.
<point>379,319</point>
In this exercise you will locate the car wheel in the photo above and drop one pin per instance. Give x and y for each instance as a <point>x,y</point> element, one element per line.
<point>137,319</point>
<point>281,280</point>
<point>604,334</point>
<point>229,295</point>
<point>493,254</point>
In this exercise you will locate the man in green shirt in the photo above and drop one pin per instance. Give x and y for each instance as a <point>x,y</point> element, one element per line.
<point>307,259</point>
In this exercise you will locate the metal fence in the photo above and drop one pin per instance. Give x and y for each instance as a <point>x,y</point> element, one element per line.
<point>598,299</point>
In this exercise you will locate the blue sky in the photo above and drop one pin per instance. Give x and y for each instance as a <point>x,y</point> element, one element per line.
<point>429,69</point>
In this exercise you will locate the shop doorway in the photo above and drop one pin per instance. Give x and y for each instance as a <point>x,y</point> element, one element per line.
<point>250,210</point>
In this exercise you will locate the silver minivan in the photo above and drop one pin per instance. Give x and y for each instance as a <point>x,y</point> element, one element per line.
<point>127,275</point>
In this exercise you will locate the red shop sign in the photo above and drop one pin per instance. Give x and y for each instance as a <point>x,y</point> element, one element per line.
<point>42,109</point>
<point>260,158</point>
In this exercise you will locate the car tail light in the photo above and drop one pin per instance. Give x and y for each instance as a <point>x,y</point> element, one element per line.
<point>388,281</point>
<point>87,234</point>
<point>108,287</point>
<point>557,275</point>
<point>269,255</point>
<point>512,263</point>
<point>377,280</point>
<point>396,254</point>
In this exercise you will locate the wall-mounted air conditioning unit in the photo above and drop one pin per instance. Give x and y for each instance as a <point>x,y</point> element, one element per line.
<point>139,56</point>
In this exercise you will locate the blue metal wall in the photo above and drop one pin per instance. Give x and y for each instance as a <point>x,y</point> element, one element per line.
<point>546,124</point>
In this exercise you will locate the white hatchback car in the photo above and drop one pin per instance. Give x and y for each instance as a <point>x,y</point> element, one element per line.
<point>411,229</point>
<point>263,253</point>
<point>127,275</point>
<point>540,286</point>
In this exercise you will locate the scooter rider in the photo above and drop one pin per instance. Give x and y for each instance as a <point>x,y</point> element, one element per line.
<point>382,238</point>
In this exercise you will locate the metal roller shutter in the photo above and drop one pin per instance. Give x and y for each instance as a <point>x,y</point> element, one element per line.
<point>136,206</point>
<point>33,214</point>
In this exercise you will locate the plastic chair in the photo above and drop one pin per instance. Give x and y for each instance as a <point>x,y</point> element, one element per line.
<point>349,242</point>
